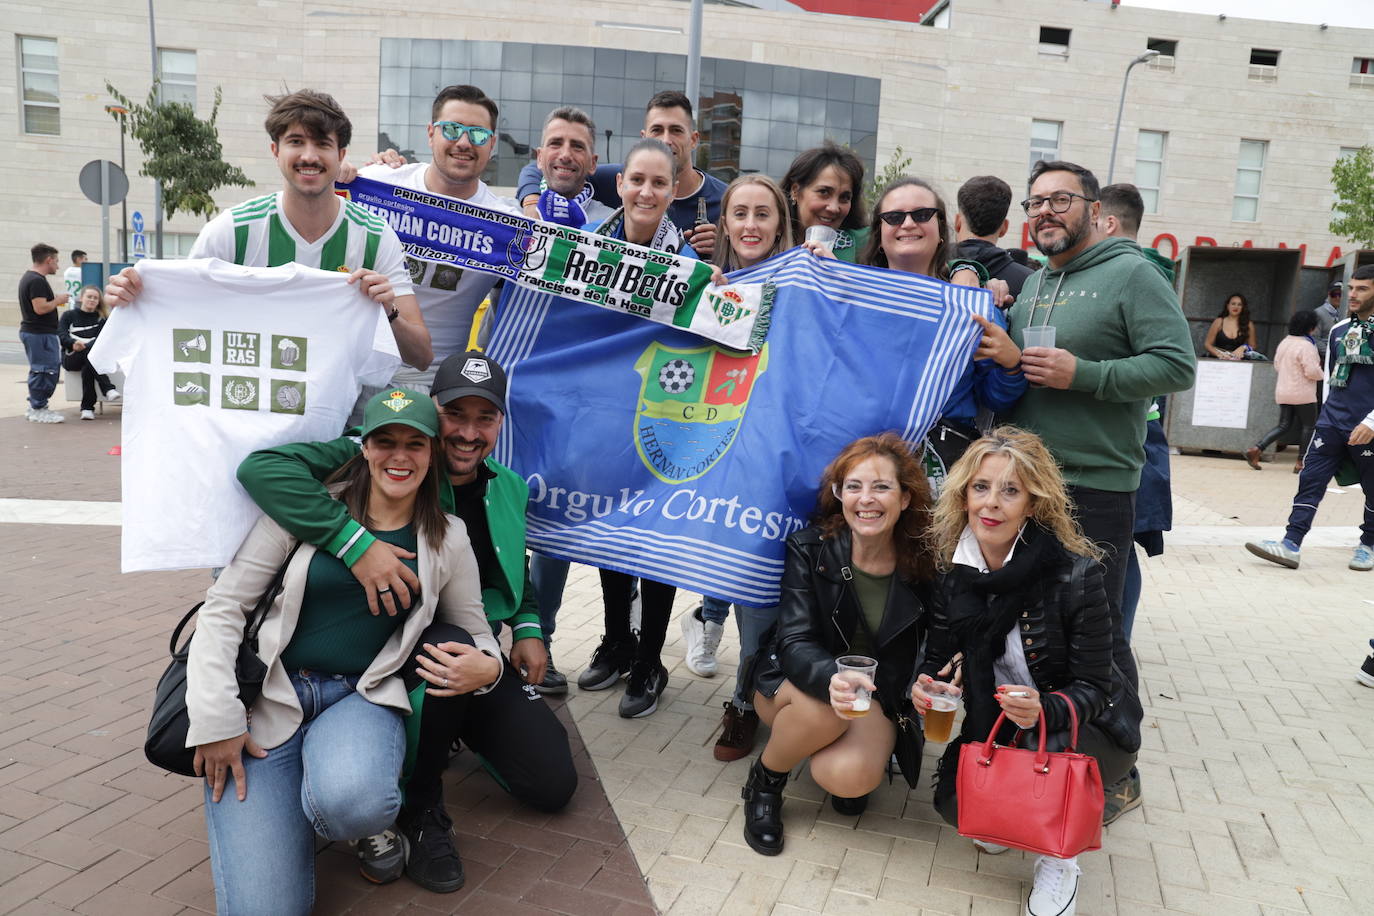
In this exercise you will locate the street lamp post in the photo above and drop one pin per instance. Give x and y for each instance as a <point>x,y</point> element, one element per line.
<point>121,111</point>
<point>1121,107</point>
<point>693,87</point>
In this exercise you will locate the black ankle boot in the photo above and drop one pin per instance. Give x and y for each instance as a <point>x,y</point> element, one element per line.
<point>763,810</point>
<point>849,807</point>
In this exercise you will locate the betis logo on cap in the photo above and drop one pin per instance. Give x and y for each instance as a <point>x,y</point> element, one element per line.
<point>691,404</point>
<point>398,401</point>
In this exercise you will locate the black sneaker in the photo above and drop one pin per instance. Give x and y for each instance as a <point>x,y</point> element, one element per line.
<point>1366,673</point>
<point>554,681</point>
<point>382,858</point>
<point>609,662</point>
<point>432,860</point>
<point>647,680</point>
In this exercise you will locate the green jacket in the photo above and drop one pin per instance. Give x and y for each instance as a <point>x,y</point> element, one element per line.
<point>286,483</point>
<point>1114,311</point>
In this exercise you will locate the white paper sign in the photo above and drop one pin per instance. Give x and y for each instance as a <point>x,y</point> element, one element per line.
<point>1221,396</point>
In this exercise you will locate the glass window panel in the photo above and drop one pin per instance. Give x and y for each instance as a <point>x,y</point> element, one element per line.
<point>609,90</point>
<point>639,66</point>
<point>1151,198</point>
<point>1245,209</point>
<point>39,53</point>
<point>424,83</point>
<point>517,55</point>
<point>420,109</point>
<point>515,86</point>
<point>394,81</point>
<point>605,116</point>
<point>1147,174</point>
<point>809,135</point>
<point>866,118</point>
<point>866,147</point>
<point>426,52</point>
<point>580,61</point>
<point>1251,154</point>
<point>40,87</point>
<point>778,161</point>
<point>179,92</point>
<point>548,60</point>
<point>730,74</point>
<point>1045,130</point>
<point>637,95</point>
<point>813,83</point>
<point>754,132</point>
<point>181,63</point>
<point>867,90</point>
<point>758,77</point>
<point>787,79</point>
<point>811,111</point>
<point>782,135</point>
<point>1247,182</point>
<point>631,122</point>
<point>455,55</point>
<point>486,55</point>
<point>610,61</point>
<point>396,52</point>
<point>40,120</point>
<point>786,107</point>
<point>708,73</point>
<point>671,68</point>
<point>547,88</point>
<point>489,81</point>
<point>840,86</point>
<point>1150,145</point>
<point>577,90</point>
<point>839,117</point>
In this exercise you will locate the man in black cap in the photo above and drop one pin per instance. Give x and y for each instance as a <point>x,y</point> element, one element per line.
<point>1328,313</point>
<point>521,742</point>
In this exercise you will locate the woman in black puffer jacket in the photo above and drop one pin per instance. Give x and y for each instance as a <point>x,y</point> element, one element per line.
<point>854,584</point>
<point>1022,599</point>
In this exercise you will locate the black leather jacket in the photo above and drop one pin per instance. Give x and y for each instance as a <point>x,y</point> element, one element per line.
<point>819,613</point>
<point>1067,637</point>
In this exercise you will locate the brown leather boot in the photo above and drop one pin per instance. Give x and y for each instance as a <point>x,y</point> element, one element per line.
<point>1252,457</point>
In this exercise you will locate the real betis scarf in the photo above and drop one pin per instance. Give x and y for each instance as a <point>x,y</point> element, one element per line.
<point>565,211</point>
<point>1354,349</point>
<point>654,283</point>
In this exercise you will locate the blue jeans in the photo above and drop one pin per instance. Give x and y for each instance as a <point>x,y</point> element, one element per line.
<point>549,576</point>
<point>337,776</point>
<point>45,359</point>
<point>714,609</point>
<point>752,623</point>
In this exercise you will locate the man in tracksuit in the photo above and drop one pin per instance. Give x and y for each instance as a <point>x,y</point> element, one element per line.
<point>520,740</point>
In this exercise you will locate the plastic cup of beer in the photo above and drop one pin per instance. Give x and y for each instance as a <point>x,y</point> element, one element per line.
<point>850,668</point>
<point>823,234</point>
<point>944,706</point>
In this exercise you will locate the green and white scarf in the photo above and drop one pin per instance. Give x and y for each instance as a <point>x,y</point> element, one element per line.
<point>1353,348</point>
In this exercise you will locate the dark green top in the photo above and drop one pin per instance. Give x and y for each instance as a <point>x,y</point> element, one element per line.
<point>847,249</point>
<point>872,594</point>
<point>336,633</point>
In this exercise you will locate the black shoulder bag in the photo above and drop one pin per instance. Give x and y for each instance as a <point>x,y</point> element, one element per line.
<point>165,745</point>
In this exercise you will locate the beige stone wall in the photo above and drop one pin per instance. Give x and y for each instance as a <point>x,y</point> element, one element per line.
<point>958,101</point>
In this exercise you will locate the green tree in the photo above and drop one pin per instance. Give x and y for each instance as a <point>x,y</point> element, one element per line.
<point>898,165</point>
<point>1352,177</point>
<point>180,150</point>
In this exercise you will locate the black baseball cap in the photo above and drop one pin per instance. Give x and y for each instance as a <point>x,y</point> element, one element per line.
<point>1335,287</point>
<point>471,373</point>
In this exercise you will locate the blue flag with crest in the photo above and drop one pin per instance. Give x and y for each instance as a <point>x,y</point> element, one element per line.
<point>653,452</point>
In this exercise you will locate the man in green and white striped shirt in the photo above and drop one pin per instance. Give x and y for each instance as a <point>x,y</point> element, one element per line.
<point>307,223</point>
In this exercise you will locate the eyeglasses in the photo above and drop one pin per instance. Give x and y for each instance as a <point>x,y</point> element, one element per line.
<point>1059,202</point>
<point>452,130</point>
<point>918,216</point>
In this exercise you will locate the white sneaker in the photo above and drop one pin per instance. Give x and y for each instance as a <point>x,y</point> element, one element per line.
<point>88,414</point>
<point>113,395</point>
<point>703,638</point>
<point>1055,890</point>
<point>43,415</point>
<point>991,849</point>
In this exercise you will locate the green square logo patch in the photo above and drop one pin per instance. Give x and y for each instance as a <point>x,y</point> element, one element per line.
<point>287,397</point>
<point>288,352</point>
<point>241,348</point>
<point>239,392</point>
<point>190,345</point>
<point>191,388</point>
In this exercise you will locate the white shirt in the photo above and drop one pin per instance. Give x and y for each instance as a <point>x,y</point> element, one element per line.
<point>71,278</point>
<point>219,361</point>
<point>448,296</point>
<point>1011,668</point>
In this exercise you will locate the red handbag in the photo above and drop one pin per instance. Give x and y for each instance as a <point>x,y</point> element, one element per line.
<point>1050,803</point>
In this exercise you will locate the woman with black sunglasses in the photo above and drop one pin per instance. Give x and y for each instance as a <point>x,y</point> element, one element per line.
<point>910,232</point>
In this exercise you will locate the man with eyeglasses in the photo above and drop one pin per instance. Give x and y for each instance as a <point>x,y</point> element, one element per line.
<point>462,137</point>
<point>1120,341</point>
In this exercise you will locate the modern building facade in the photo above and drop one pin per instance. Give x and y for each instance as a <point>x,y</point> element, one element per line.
<point>1230,131</point>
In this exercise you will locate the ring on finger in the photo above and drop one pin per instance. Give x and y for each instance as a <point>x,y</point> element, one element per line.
<point>445,683</point>
<point>383,591</point>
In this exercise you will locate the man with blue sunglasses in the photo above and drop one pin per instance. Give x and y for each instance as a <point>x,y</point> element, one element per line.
<point>462,138</point>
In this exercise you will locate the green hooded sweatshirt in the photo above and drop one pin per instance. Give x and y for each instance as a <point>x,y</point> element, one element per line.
<point>1114,311</point>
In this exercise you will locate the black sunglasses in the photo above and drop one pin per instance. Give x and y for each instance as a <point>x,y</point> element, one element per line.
<point>919,215</point>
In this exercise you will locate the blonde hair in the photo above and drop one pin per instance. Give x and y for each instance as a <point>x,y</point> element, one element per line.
<point>100,308</point>
<point>1027,458</point>
<point>725,252</point>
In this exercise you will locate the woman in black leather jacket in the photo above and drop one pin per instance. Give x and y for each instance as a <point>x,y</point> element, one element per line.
<point>854,584</point>
<point>1022,599</point>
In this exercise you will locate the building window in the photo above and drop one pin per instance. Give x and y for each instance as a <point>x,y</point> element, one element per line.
<point>178,75</point>
<point>1249,174</point>
<point>1362,73</point>
<point>38,76</point>
<point>1044,142</point>
<point>1149,167</point>
<point>1054,41</point>
<point>1264,65</point>
<point>174,244</point>
<point>1168,50</point>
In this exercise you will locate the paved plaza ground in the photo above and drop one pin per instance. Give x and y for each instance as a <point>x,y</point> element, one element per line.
<point>1258,757</point>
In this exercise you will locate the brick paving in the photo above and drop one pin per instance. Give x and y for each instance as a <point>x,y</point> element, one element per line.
<point>1256,763</point>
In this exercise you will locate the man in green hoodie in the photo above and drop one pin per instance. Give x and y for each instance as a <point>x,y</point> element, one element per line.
<point>1120,340</point>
